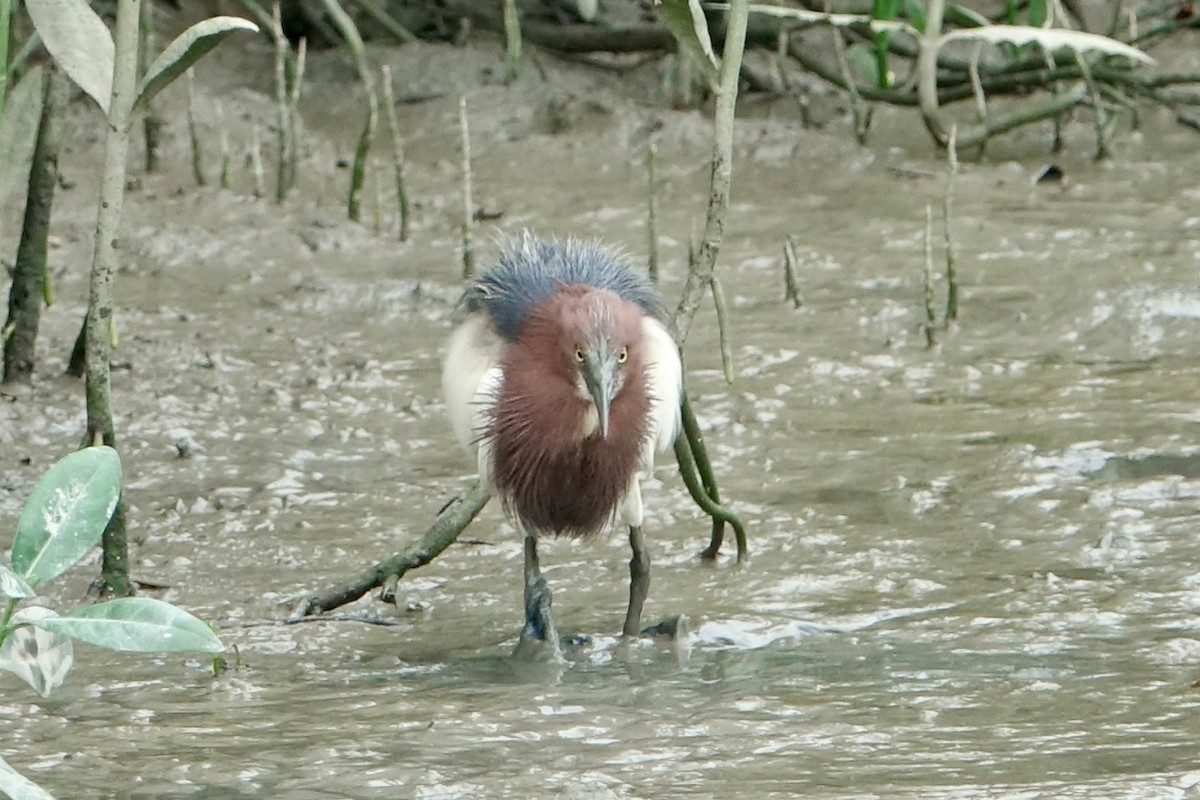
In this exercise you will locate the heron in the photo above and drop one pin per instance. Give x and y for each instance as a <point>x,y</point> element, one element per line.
<point>564,382</point>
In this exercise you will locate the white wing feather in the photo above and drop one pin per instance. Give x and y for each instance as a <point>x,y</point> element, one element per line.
<point>470,382</point>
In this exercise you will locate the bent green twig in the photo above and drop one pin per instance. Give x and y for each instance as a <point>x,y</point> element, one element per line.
<point>696,470</point>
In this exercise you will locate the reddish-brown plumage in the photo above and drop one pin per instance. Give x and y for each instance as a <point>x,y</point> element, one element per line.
<point>553,479</point>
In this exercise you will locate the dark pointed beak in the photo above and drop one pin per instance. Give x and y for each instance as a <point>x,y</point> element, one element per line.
<point>600,377</point>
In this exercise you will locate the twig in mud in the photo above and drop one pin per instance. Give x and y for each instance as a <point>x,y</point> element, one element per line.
<point>350,34</point>
<point>927,283</point>
<point>723,328</point>
<point>1098,115</point>
<point>652,211</point>
<point>861,118</point>
<point>468,250</point>
<point>226,178</point>
<point>193,131</point>
<point>783,43</point>
<point>256,161</point>
<point>151,124</point>
<point>377,184</point>
<point>512,41</point>
<point>398,166</point>
<point>283,177</point>
<point>791,281</point>
<point>947,208</point>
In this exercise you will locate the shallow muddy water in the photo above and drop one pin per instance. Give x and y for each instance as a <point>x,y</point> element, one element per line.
<point>975,569</point>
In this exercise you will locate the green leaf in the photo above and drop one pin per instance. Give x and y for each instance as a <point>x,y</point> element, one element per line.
<point>685,19</point>
<point>79,41</point>
<point>136,625</point>
<point>186,50</point>
<point>12,585</point>
<point>66,513</point>
<point>39,657</point>
<point>18,130</point>
<point>1049,39</point>
<point>18,787</point>
<point>1037,13</point>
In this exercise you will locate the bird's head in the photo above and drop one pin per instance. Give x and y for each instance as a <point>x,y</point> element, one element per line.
<point>595,337</point>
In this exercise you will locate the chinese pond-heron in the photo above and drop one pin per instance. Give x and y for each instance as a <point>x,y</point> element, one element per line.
<point>564,382</point>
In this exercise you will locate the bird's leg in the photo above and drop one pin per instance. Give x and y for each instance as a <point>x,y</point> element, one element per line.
<point>639,581</point>
<point>539,633</point>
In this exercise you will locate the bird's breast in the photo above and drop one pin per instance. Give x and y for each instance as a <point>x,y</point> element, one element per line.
<point>557,474</point>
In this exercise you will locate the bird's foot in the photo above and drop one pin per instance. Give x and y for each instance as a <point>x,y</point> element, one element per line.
<point>539,638</point>
<point>674,628</point>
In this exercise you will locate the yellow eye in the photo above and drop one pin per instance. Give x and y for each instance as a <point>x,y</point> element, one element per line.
<point>578,355</point>
<point>624,356</point>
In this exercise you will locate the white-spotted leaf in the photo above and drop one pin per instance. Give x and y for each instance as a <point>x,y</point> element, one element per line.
<point>137,625</point>
<point>37,656</point>
<point>1050,39</point>
<point>12,585</point>
<point>18,787</point>
<point>185,50</point>
<point>80,43</point>
<point>66,513</point>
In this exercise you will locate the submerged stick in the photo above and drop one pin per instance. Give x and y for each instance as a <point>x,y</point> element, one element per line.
<point>441,534</point>
<point>468,253</point>
<point>791,281</point>
<point>398,166</point>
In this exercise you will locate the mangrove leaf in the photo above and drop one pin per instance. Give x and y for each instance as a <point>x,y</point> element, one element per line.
<point>37,656</point>
<point>185,50</point>
<point>137,625</point>
<point>66,513</point>
<point>79,41</point>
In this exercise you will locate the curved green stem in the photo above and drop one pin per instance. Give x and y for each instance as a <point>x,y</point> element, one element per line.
<point>696,471</point>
